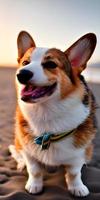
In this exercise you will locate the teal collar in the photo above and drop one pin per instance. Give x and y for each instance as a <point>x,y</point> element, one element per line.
<point>46,138</point>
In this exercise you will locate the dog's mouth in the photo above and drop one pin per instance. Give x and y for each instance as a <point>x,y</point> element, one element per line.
<point>31,93</point>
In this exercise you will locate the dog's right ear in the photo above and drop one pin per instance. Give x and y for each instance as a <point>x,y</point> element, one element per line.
<point>24,42</point>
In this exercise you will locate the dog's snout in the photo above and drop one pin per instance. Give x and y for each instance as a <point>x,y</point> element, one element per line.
<point>24,76</point>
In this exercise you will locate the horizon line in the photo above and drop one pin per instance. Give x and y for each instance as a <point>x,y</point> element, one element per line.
<point>14,65</point>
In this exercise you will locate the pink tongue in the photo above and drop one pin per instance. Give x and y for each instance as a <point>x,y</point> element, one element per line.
<point>28,92</point>
<point>32,93</point>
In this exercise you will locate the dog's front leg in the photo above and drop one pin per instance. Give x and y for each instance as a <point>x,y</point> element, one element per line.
<point>73,179</point>
<point>35,180</point>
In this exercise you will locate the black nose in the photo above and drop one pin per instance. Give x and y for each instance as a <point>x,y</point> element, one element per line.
<point>24,76</point>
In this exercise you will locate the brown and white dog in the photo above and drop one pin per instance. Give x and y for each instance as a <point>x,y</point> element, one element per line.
<point>55,117</point>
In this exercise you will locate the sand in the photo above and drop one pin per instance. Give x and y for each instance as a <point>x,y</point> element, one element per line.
<point>11,181</point>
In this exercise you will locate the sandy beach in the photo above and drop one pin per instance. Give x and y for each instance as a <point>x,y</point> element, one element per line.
<point>12,182</point>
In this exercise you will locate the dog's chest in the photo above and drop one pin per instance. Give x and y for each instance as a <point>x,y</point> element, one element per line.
<point>59,153</point>
<point>54,116</point>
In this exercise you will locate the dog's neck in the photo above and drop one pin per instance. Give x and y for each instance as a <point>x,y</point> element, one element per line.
<point>55,115</point>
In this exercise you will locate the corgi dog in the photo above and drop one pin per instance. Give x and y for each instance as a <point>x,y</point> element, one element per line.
<point>55,116</point>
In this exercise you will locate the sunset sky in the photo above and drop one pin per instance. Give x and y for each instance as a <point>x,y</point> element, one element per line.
<point>52,23</point>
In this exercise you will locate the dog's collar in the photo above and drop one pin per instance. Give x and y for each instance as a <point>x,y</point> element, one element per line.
<point>47,137</point>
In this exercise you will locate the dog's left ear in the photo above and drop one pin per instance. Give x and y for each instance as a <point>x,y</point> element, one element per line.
<point>80,52</point>
<point>24,42</point>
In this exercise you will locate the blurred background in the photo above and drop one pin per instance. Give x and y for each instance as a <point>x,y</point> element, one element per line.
<point>52,23</point>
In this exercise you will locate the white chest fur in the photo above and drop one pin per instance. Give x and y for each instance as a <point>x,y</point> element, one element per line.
<point>55,115</point>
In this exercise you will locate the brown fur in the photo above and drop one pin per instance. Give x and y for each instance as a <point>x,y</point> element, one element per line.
<point>87,130</point>
<point>27,56</point>
<point>89,152</point>
<point>63,71</point>
<point>60,59</point>
<point>23,133</point>
<point>17,143</point>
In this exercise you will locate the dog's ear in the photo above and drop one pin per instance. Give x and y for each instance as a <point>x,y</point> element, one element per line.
<point>80,52</point>
<point>24,42</point>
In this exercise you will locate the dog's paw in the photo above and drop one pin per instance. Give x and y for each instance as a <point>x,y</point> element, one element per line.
<point>80,191</point>
<point>34,186</point>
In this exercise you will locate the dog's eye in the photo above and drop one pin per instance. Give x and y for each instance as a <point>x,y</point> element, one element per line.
<point>25,62</point>
<point>49,65</point>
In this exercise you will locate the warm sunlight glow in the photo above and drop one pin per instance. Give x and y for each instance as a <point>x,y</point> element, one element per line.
<point>51,24</point>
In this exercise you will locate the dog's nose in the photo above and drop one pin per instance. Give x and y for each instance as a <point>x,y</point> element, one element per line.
<point>24,76</point>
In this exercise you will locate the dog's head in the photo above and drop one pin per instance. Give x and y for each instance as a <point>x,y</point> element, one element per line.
<point>46,73</point>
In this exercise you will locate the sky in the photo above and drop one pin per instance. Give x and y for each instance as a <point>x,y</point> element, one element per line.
<point>52,23</point>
